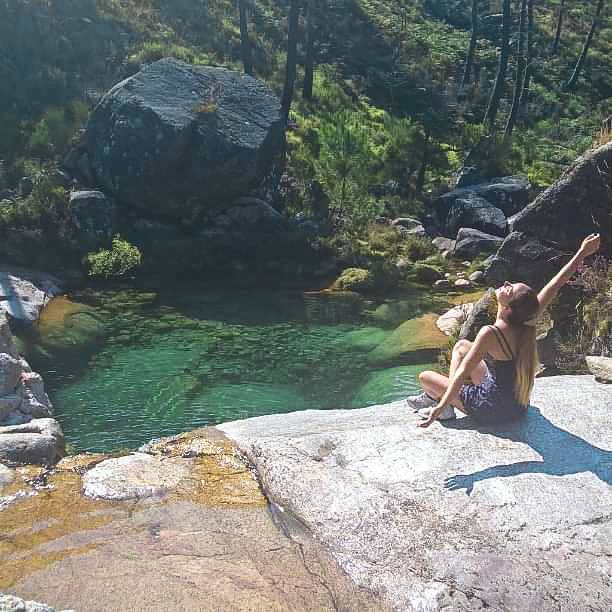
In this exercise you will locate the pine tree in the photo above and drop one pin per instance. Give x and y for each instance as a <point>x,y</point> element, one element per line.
<point>521,68</point>
<point>585,48</point>
<point>469,60</point>
<point>292,37</point>
<point>498,88</point>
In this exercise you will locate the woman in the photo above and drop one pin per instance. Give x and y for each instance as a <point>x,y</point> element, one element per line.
<point>502,360</point>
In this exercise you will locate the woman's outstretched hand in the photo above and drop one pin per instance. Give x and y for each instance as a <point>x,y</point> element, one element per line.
<point>590,245</point>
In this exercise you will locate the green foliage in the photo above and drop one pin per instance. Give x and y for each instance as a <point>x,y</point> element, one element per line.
<point>355,279</point>
<point>121,259</point>
<point>38,230</point>
<point>342,169</point>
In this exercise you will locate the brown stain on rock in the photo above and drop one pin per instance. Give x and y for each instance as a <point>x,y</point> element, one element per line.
<point>51,505</point>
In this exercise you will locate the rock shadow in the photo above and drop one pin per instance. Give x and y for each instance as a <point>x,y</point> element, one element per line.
<point>562,452</point>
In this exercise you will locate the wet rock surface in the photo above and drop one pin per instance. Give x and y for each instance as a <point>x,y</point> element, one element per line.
<point>209,543</point>
<point>513,518</point>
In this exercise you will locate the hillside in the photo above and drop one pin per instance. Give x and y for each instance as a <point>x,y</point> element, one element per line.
<point>387,113</point>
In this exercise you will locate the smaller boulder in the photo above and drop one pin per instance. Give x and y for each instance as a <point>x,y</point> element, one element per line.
<point>463,283</point>
<point>135,476</point>
<point>474,211</point>
<point>483,313</point>
<point>454,318</point>
<point>476,277</point>
<point>407,222</point>
<point>600,367</point>
<point>41,441</point>
<point>443,283</point>
<point>93,215</point>
<point>471,243</point>
<point>443,244</point>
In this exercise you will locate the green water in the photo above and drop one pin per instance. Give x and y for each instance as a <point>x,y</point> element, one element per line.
<point>132,366</point>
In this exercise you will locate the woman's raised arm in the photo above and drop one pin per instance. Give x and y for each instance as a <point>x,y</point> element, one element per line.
<point>589,246</point>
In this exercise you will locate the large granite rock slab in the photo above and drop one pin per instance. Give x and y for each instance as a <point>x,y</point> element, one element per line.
<point>454,517</point>
<point>175,139</point>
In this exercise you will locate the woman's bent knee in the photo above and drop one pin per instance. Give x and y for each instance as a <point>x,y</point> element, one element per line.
<point>462,346</point>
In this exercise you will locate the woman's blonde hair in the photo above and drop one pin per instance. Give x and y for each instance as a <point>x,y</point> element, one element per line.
<point>523,307</point>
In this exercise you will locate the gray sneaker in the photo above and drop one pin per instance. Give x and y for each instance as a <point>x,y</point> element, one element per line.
<point>421,401</point>
<point>446,415</point>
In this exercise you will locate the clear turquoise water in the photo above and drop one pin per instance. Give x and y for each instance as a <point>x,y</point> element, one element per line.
<point>132,366</point>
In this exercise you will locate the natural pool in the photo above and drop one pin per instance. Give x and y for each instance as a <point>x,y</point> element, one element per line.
<point>123,367</point>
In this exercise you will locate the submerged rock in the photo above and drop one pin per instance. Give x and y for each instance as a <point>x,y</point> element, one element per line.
<point>458,516</point>
<point>415,341</point>
<point>175,139</point>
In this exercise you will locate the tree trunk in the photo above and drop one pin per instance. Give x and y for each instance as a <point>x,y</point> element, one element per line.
<point>521,67</point>
<point>585,49</point>
<point>469,60</point>
<point>420,182</point>
<point>245,43</point>
<point>559,28</point>
<point>500,78</point>
<point>309,61</point>
<point>292,36</point>
<point>529,65</point>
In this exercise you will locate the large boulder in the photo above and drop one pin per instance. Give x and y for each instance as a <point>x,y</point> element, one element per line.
<point>175,139</point>
<point>523,257</point>
<point>472,242</point>
<point>579,203</point>
<point>482,313</point>
<point>510,194</point>
<point>476,212</point>
<point>458,516</point>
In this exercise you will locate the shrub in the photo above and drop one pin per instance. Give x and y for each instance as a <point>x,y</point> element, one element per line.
<point>122,258</point>
<point>417,249</point>
<point>355,279</point>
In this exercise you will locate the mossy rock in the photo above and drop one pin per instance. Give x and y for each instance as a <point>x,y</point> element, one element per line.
<point>426,273</point>
<point>355,279</point>
<point>415,341</point>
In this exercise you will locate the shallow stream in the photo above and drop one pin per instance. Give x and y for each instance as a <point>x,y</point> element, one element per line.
<point>123,367</point>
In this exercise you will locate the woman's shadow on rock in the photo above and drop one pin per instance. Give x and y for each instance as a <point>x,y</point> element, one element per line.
<point>562,452</point>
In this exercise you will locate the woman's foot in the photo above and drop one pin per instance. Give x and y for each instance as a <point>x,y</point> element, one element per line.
<point>421,401</point>
<point>446,415</point>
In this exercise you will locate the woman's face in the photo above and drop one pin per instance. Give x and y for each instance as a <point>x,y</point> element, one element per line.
<point>506,292</point>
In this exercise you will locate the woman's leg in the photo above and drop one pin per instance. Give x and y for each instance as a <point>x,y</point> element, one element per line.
<point>436,385</point>
<point>460,350</point>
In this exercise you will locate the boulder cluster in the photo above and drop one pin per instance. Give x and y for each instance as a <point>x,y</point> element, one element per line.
<point>184,161</point>
<point>28,434</point>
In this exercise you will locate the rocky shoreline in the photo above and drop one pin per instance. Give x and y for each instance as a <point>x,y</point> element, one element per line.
<point>370,513</point>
